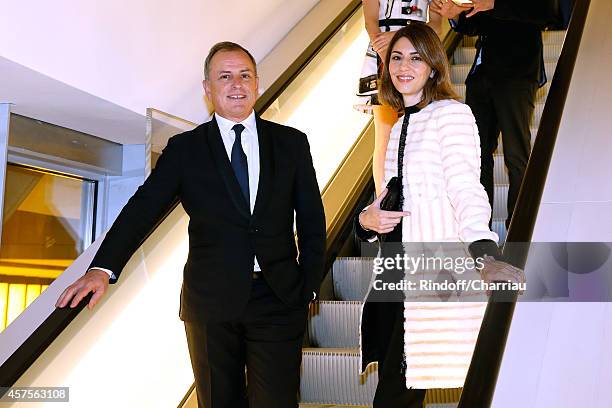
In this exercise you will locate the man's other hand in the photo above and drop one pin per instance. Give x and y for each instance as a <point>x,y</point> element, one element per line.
<point>380,43</point>
<point>95,280</point>
<point>448,9</point>
<point>481,5</point>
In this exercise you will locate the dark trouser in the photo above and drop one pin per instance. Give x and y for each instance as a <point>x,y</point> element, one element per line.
<point>391,391</point>
<point>505,106</point>
<point>267,340</point>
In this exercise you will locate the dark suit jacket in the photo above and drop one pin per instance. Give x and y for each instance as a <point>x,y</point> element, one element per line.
<point>223,236</point>
<point>511,47</point>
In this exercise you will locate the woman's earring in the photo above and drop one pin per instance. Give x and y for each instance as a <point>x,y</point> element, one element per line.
<point>433,74</point>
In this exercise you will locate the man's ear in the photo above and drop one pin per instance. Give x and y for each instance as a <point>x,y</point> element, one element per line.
<point>206,86</point>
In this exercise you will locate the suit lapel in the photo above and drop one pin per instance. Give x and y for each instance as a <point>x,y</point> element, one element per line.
<point>219,155</point>
<point>266,166</point>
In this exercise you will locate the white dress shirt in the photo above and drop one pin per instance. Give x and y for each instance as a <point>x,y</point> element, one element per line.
<point>250,145</point>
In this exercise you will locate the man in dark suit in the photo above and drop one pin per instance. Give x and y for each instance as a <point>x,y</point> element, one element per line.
<point>245,291</point>
<point>501,86</point>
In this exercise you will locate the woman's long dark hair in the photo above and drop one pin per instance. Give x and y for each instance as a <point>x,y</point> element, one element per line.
<point>426,42</point>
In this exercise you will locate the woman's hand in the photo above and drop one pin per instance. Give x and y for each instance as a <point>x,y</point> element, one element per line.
<point>494,270</point>
<point>381,221</point>
<point>380,43</point>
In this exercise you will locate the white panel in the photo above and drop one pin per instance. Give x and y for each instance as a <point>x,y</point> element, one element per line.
<point>517,386</point>
<point>591,221</point>
<point>121,188</point>
<point>552,223</point>
<point>603,393</point>
<point>595,172</point>
<point>571,360</point>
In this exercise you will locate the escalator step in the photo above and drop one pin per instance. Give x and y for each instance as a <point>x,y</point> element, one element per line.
<point>500,209</point>
<point>334,324</point>
<point>331,376</point>
<point>499,226</point>
<point>351,278</point>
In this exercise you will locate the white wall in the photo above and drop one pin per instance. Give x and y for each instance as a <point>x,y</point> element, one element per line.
<point>139,54</point>
<point>119,189</point>
<point>558,354</point>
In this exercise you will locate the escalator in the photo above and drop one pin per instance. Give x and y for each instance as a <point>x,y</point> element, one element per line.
<point>131,350</point>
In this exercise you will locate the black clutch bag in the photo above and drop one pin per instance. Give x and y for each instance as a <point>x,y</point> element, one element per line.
<point>391,202</point>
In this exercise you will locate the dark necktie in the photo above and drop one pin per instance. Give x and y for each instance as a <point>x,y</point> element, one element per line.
<point>239,162</point>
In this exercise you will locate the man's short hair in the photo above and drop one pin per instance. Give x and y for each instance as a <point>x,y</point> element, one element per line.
<point>225,46</point>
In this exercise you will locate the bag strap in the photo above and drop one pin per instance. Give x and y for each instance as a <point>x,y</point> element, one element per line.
<point>400,159</point>
<point>400,151</point>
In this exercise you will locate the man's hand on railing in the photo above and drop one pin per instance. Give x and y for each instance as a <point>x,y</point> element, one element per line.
<point>95,280</point>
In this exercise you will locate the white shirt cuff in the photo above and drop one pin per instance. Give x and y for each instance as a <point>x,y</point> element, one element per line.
<point>110,273</point>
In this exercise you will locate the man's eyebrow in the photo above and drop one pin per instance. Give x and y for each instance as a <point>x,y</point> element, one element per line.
<point>229,72</point>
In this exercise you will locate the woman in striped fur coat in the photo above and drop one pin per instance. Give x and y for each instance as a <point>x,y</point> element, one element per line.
<point>427,345</point>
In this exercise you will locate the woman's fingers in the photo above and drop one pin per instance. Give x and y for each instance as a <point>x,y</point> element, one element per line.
<point>501,271</point>
<point>382,195</point>
<point>379,220</point>
<point>394,214</point>
<point>385,230</point>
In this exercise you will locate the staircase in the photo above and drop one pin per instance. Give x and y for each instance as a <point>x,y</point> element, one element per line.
<point>330,365</point>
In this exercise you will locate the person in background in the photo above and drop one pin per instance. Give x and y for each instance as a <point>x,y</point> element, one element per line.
<point>442,200</point>
<point>501,86</point>
<point>245,295</point>
<point>382,19</point>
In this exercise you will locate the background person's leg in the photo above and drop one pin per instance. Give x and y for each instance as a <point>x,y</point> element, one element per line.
<point>514,105</point>
<point>478,98</point>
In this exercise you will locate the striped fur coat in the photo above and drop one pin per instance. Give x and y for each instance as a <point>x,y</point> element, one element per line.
<point>442,191</point>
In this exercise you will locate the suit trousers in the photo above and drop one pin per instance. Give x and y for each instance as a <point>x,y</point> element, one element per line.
<point>505,106</point>
<point>267,340</point>
<point>391,391</point>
